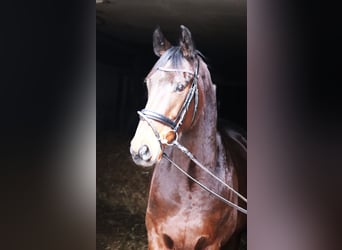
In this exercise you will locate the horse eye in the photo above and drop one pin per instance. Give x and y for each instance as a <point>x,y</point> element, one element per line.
<point>180,87</point>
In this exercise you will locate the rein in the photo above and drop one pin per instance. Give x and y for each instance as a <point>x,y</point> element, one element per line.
<point>191,156</point>
<point>205,187</point>
<point>148,115</point>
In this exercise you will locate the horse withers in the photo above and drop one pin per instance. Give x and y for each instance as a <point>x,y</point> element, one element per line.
<point>178,134</point>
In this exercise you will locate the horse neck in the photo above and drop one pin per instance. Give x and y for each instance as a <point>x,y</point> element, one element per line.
<point>201,138</point>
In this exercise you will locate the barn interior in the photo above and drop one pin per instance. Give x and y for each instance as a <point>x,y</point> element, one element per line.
<point>124,56</point>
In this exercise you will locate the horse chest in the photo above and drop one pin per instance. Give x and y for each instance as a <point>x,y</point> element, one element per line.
<point>177,200</point>
<point>186,220</point>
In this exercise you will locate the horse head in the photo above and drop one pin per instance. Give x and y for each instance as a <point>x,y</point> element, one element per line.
<point>174,98</point>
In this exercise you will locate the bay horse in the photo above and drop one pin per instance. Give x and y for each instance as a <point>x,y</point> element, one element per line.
<point>179,127</point>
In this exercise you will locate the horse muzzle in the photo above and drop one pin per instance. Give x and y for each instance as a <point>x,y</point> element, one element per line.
<point>145,148</point>
<point>142,156</point>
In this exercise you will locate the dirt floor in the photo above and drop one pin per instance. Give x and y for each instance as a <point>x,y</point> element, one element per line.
<point>121,197</point>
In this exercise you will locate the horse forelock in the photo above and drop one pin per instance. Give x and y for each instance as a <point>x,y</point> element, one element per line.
<point>175,56</point>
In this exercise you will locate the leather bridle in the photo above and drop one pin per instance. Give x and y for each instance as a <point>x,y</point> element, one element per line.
<point>178,121</point>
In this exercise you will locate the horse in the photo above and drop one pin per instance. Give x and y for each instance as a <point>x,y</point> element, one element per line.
<point>179,128</point>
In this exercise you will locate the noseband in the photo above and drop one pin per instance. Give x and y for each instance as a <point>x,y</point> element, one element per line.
<point>177,122</point>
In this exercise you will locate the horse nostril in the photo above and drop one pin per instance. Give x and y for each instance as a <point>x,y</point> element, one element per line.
<point>201,243</point>
<point>144,153</point>
<point>168,241</point>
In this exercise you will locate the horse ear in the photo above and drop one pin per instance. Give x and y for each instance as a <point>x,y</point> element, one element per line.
<point>186,43</point>
<point>160,44</point>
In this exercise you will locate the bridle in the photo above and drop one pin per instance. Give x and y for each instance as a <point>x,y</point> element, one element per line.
<point>178,121</point>
<point>175,124</point>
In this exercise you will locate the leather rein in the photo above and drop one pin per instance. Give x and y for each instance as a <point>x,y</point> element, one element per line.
<point>175,124</point>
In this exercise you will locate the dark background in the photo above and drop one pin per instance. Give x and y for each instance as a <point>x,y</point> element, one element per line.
<point>294,120</point>
<point>125,55</point>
